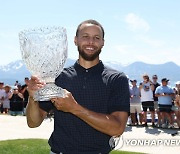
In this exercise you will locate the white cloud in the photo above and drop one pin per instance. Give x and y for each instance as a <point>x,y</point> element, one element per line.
<point>136,23</point>
<point>150,41</point>
<point>122,48</point>
<point>128,53</point>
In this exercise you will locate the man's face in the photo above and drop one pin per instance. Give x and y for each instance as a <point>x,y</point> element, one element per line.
<point>15,91</point>
<point>89,41</point>
<point>164,83</point>
<point>146,79</point>
<point>1,85</point>
<point>134,83</point>
<point>154,79</point>
<point>26,81</point>
<point>178,86</point>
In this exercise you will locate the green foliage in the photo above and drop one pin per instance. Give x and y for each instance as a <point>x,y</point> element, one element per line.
<point>123,152</point>
<point>24,146</point>
<point>33,146</point>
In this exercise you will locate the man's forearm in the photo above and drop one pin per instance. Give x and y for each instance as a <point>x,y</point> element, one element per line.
<point>107,123</point>
<point>34,114</point>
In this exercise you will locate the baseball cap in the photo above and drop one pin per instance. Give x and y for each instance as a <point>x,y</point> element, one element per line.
<point>164,79</point>
<point>133,80</point>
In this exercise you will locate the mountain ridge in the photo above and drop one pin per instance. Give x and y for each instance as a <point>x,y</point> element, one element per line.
<point>17,70</point>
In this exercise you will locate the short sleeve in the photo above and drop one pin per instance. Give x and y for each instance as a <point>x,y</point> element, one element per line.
<point>120,96</point>
<point>157,90</point>
<point>172,91</point>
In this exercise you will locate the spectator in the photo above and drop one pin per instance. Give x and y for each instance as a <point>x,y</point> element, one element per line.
<point>6,104</point>
<point>16,83</point>
<point>2,96</point>
<point>165,95</point>
<point>146,88</point>
<point>16,102</point>
<point>25,93</point>
<point>156,84</point>
<point>135,103</point>
<point>177,103</point>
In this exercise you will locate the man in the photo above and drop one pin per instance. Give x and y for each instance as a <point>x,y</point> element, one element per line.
<point>135,102</point>
<point>2,96</point>
<point>96,102</point>
<point>146,89</point>
<point>156,84</point>
<point>16,102</point>
<point>165,95</point>
<point>25,93</point>
<point>177,103</point>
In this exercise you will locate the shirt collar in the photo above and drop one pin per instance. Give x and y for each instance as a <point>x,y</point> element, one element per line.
<point>97,68</point>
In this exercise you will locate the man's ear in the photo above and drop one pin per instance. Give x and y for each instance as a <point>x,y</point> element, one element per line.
<point>75,40</point>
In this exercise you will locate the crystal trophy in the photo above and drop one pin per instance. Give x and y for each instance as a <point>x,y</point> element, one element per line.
<point>44,52</point>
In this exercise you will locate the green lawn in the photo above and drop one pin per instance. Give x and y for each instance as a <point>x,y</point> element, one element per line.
<point>32,146</point>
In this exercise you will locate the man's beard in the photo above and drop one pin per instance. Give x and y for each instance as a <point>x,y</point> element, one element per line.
<point>88,57</point>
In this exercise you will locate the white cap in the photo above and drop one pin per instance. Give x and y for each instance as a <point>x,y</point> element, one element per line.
<point>178,82</point>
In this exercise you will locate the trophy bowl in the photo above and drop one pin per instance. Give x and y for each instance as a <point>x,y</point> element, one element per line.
<point>44,52</point>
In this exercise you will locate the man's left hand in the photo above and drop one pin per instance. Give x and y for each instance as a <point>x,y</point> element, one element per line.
<point>66,103</point>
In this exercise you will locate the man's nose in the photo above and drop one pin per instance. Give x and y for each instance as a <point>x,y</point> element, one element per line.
<point>91,40</point>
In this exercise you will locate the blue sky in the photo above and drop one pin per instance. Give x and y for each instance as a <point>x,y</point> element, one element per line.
<point>135,30</point>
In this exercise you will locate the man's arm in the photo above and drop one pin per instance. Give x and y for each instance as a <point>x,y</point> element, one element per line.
<point>152,86</point>
<point>34,114</point>
<point>112,124</point>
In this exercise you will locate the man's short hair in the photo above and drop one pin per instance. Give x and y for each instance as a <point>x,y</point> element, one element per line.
<point>154,76</point>
<point>90,21</point>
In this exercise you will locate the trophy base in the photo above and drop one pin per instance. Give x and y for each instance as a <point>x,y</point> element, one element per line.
<point>50,90</point>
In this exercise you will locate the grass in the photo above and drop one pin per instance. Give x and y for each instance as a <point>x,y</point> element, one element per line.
<point>33,146</point>
<point>24,146</point>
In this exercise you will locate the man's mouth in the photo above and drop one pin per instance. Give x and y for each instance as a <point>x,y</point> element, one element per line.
<point>90,48</point>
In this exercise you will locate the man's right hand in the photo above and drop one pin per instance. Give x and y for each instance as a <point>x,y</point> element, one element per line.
<point>34,85</point>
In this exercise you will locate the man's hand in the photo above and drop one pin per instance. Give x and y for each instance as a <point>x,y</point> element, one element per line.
<point>34,85</point>
<point>111,124</point>
<point>65,104</point>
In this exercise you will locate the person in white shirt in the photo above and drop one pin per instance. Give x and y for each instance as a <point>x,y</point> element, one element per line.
<point>2,96</point>
<point>6,103</point>
<point>146,88</point>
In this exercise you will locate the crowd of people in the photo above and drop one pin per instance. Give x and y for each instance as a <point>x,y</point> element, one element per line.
<point>13,99</point>
<point>159,100</point>
<point>150,97</point>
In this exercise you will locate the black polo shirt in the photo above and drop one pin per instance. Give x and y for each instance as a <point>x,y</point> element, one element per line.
<point>99,89</point>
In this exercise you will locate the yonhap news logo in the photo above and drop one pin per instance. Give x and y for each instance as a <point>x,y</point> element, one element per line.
<point>117,143</point>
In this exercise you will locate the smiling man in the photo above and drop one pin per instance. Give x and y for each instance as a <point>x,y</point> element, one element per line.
<point>96,103</point>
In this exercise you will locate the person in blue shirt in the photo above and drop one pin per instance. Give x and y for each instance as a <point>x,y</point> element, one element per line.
<point>165,95</point>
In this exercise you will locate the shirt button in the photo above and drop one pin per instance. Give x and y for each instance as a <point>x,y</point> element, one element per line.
<point>84,87</point>
<point>87,71</point>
